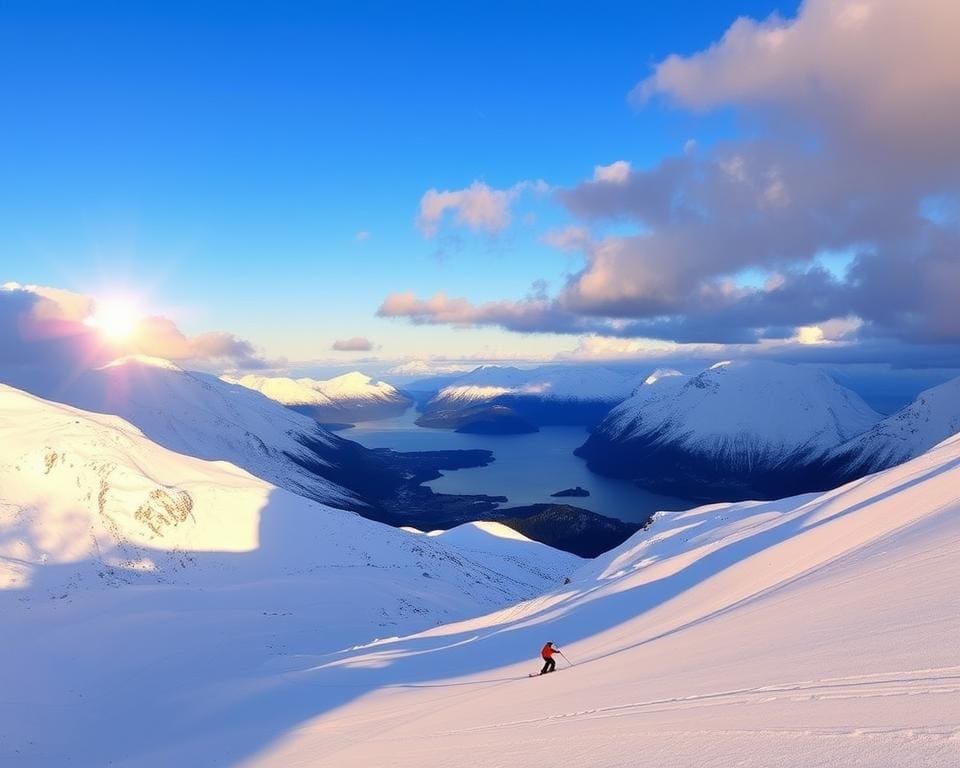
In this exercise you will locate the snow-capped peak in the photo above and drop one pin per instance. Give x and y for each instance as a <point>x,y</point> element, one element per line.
<point>770,405</point>
<point>146,361</point>
<point>737,430</point>
<point>661,373</point>
<point>282,389</point>
<point>349,390</point>
<point>353,386</point>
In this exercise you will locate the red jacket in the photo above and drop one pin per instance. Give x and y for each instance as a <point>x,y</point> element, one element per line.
<point>547,652</point>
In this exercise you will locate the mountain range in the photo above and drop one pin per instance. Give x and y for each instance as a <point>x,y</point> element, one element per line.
<point>348,398</point>
<point>520,400</point>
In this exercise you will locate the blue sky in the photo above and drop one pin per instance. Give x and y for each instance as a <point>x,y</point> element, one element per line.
<point>218,162</point>
<point>220,159</point>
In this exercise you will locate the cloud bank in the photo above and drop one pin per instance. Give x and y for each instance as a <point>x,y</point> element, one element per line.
<point>853,151</point>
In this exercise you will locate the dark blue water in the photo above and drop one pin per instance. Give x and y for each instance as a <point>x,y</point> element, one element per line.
<point>526,468</point>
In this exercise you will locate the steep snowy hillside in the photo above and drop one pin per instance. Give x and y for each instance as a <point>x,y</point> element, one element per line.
<point>135,582</point>
<point>350,397</point>
<point>737,430</point>
<point>931,418</point>
<point>814,631</point>
<point>626,421</point>
<point>200,415</point>
<point>547,395</point>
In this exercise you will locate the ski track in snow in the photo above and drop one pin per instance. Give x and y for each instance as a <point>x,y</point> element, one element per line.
<point>879,684</point>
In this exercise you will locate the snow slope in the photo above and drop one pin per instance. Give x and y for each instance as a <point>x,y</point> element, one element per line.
<point>931,418</point>
<point>139,586</point>
<point>350,396</point>
<point>200,415</point>
<point>736,430</point>
<point>628,420</point>
<point>816,631</point>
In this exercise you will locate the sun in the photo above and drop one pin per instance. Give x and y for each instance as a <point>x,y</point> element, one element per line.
<point>115,319</point>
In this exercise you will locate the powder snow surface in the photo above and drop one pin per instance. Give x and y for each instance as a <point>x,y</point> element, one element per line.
<point>818,630</point>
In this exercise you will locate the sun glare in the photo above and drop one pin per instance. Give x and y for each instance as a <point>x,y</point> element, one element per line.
<point>115,319</point>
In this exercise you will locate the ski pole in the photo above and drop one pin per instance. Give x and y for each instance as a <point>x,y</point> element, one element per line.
<point>565,658</point>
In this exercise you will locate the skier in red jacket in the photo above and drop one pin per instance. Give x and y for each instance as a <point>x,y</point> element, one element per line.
<point>547,655</point>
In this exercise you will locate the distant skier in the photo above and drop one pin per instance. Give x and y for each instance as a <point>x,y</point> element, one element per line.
<point>547,655</point>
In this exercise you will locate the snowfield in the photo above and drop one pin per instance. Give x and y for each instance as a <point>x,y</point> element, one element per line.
<point>819,630</point>
<point>140,587</point>
<point>162,610</point>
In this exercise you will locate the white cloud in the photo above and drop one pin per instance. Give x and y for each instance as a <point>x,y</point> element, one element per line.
<point>572,238</point>
<point>873,74</point>
<point>352,344</point>
<point>429,368</point>
<point>600,348</point>
<point>479,207</point>
<point>615,173</point>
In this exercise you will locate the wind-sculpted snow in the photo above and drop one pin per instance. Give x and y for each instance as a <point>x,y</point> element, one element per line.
<point>734,431</point>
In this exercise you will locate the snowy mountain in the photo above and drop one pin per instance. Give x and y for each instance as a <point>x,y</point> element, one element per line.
<point>132,577</point>
<point>813,631</point>
<point>200,415</point>
<point>84,491</point>
<point>737,430</point>
<point>928,420</point>
<point>350,397</point>
<point>284,390</point>
<point>554,394</point>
